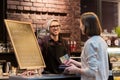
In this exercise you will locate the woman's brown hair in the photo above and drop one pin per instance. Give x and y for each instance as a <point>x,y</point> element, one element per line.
<point>91,23</point>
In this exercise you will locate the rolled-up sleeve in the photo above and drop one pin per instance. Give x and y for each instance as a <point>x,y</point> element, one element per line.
<point>91,50</point>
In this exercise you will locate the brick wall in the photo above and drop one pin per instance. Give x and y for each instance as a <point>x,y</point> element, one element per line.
<point>39,11</point>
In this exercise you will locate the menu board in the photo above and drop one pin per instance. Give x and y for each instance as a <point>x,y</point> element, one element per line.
<point>24,41</point>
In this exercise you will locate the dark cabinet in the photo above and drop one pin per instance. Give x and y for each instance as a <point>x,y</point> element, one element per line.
<point>107,10</point>
<point>8,57</point>
<point>3,14</point>
<point>4,55</point>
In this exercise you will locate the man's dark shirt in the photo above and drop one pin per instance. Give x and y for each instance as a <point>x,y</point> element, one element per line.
<point>52,51</point>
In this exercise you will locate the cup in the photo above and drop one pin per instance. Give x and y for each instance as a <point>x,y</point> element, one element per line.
<point>1,71</point>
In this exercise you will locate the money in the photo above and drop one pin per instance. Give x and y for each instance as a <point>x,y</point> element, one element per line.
<point>64,58</point>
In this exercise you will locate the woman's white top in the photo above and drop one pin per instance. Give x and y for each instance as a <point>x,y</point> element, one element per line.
<point>94,59</point>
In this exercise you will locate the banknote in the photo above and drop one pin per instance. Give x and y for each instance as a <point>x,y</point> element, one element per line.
<point>64,58</point>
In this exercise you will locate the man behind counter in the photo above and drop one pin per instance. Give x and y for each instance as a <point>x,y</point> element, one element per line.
<point>53,47</point>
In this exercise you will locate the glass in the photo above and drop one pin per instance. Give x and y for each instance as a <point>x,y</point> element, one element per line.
<point>54,26</point>
<point>1,71</point>
<point>8,67</point>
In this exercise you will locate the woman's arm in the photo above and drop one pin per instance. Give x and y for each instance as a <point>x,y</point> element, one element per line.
<point>92,59</point>
<point>71,61</point>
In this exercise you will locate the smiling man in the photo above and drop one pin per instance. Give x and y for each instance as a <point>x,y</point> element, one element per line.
<point>53,47</point>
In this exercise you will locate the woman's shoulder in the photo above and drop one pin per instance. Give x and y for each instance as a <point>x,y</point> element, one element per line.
<point>94,40</point>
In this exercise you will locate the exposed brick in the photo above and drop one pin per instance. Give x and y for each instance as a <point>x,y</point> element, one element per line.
<point>32,16</point>
<point>13,2</point>
<point>61,6</point>
<point>45,1</point>
<point>35,21</point>
<point>39,17</point>
<point>51,5</point>
<point>26,16</point>
<point>44,17</point>
<point>51,10</point>
<point>39,9</point>
<point>26,3</point>
<point>33,0</point>
<point>33,8</point>
<point>53,2</point>
<point>65,1</point>
<point>8,6</point>
<point>43,10</point>
<point>26,20</point>
<point>61,2</point>
<point>38,4</point>
<point>39,1</point>
<point>26,8</point>
<point>20,7</point>
<point>12,6</point>
<point>27,0</point>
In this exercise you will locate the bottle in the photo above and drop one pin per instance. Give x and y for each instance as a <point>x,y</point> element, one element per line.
<point>108,41</point>
<point>71,46</point>
<point>116,42</point>
<point>74,46</point>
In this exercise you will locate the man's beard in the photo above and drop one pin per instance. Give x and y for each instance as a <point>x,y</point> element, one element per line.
<point>54,34</point>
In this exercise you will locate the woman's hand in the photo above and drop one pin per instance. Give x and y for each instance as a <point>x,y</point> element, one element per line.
<point>72,69</point>
<point>71,61</point>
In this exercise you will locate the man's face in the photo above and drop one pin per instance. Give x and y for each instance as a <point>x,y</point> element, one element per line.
<point>55,28</point>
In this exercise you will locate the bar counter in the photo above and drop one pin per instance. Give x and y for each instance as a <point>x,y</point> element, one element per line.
<point>51,77</point>
<point>47,77</point>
